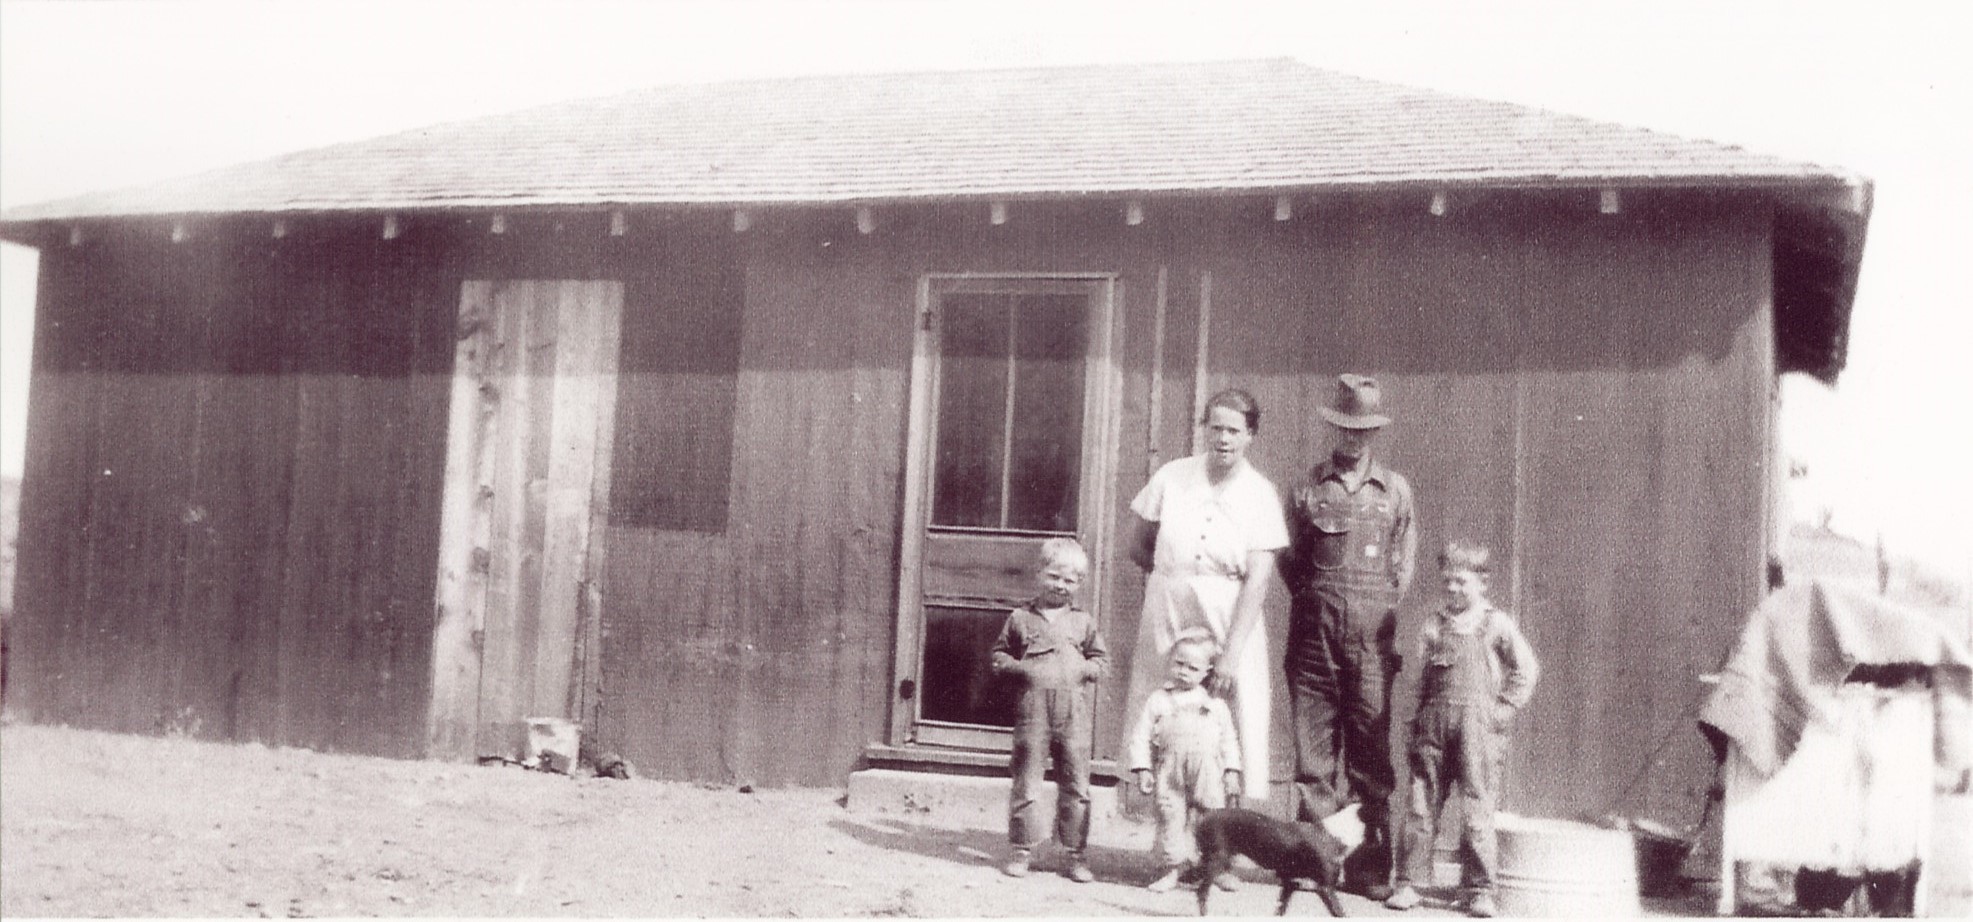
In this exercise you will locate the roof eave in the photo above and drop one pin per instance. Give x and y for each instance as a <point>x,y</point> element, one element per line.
<point>1817,259</point>
<point>13,223</point>
<point>1819,228</point>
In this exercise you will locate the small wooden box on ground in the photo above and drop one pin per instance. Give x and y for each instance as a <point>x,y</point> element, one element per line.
<point>554,741</point>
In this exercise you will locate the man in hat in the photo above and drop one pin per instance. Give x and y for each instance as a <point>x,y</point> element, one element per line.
<point>1353,544</point>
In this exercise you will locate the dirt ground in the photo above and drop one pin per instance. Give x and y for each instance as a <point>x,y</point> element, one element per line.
<point>96,824</point>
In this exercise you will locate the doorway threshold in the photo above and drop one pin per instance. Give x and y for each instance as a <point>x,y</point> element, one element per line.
<point>948,760</point>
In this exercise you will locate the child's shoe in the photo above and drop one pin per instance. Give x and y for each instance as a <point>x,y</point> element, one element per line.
<point>1481,906</point>
<point>1168,882</point>
<point>1406,897</point>
<point>1226,881</point>
<point>1017,865</point>
<point>1079,869</point>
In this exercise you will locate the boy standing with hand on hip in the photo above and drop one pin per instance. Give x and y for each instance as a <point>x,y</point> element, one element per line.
<point>1054,649</point>
<point>1478,671</point>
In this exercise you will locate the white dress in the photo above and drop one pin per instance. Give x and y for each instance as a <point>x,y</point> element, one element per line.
<point>1205,533</point>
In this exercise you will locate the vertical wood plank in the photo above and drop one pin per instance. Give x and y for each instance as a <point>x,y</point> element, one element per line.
<point>536,434</point>
<point>573,380</point>
<point>863,643</point>
<point>259,397</point>
<point>607,301</point>
<point>1200,361</point>
<point>295,300</point>
<point>1102,459</point>
<point>490,390</point>
<point>216,305</point>
<point>1153,456</point>
<point>808,633</point>
<point>501,654</point>
<point>917,511</point>
<point>461,584</point>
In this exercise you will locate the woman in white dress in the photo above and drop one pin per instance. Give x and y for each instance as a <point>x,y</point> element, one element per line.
<point>1208,527</point>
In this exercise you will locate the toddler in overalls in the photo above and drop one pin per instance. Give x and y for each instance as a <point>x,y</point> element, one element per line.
<point>1185,753</point>
<point>1478,671</point>
<point>1054,650</point>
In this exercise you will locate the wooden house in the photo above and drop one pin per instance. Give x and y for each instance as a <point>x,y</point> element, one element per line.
<point>725,417</point>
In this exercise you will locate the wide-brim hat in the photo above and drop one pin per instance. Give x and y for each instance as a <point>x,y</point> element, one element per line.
<point>1357,405</point>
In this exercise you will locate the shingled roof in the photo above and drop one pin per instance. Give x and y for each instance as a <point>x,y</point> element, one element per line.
<point>1244,126</point>
<point>1271,126</point>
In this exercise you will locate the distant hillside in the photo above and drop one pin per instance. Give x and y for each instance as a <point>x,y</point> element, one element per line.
<point>1813,552</point>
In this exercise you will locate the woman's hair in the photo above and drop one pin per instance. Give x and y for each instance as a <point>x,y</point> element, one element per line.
<point>1067,550</point>
<point>1238,401</point>
<point>1465,555</point>
<point>1201,640</point>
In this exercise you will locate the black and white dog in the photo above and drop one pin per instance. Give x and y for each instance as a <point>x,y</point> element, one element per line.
<point>1293,851</point>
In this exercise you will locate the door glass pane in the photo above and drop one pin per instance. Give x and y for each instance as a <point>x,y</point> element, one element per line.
<point>1045,455</point>
<point>1019,359</point>
<point>959,685</point>
<point>972,414</point>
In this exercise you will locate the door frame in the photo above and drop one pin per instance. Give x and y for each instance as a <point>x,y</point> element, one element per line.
<point>1102,384</point>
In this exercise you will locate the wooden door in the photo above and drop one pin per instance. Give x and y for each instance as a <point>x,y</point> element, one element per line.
<point>1010,445</point>
<point>526,491</point>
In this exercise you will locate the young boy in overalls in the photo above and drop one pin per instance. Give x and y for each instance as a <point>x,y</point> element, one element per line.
<point>1054,650</point>
<point>1185,754</point>
<point>1478,672</point>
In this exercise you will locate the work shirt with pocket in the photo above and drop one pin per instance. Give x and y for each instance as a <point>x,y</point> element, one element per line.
<point>1359,537</point>
<point>1053,648</point>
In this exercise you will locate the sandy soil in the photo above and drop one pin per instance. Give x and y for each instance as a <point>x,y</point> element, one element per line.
<point>95,824</point>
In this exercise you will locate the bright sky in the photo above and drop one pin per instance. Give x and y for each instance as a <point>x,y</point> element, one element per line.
<point>98,95</point>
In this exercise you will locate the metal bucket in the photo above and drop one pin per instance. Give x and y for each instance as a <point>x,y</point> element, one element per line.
<point>1561,868</point>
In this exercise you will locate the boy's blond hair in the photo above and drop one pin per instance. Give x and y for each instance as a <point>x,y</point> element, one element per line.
<point>1200,639</point>
<point>1065,550</point>
<point>1466,555</point>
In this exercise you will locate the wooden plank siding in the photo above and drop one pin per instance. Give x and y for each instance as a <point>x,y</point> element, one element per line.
<point>1589,394</point>
<point>239,572</point>
<point>465,530</point>
<point>759,651</point>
